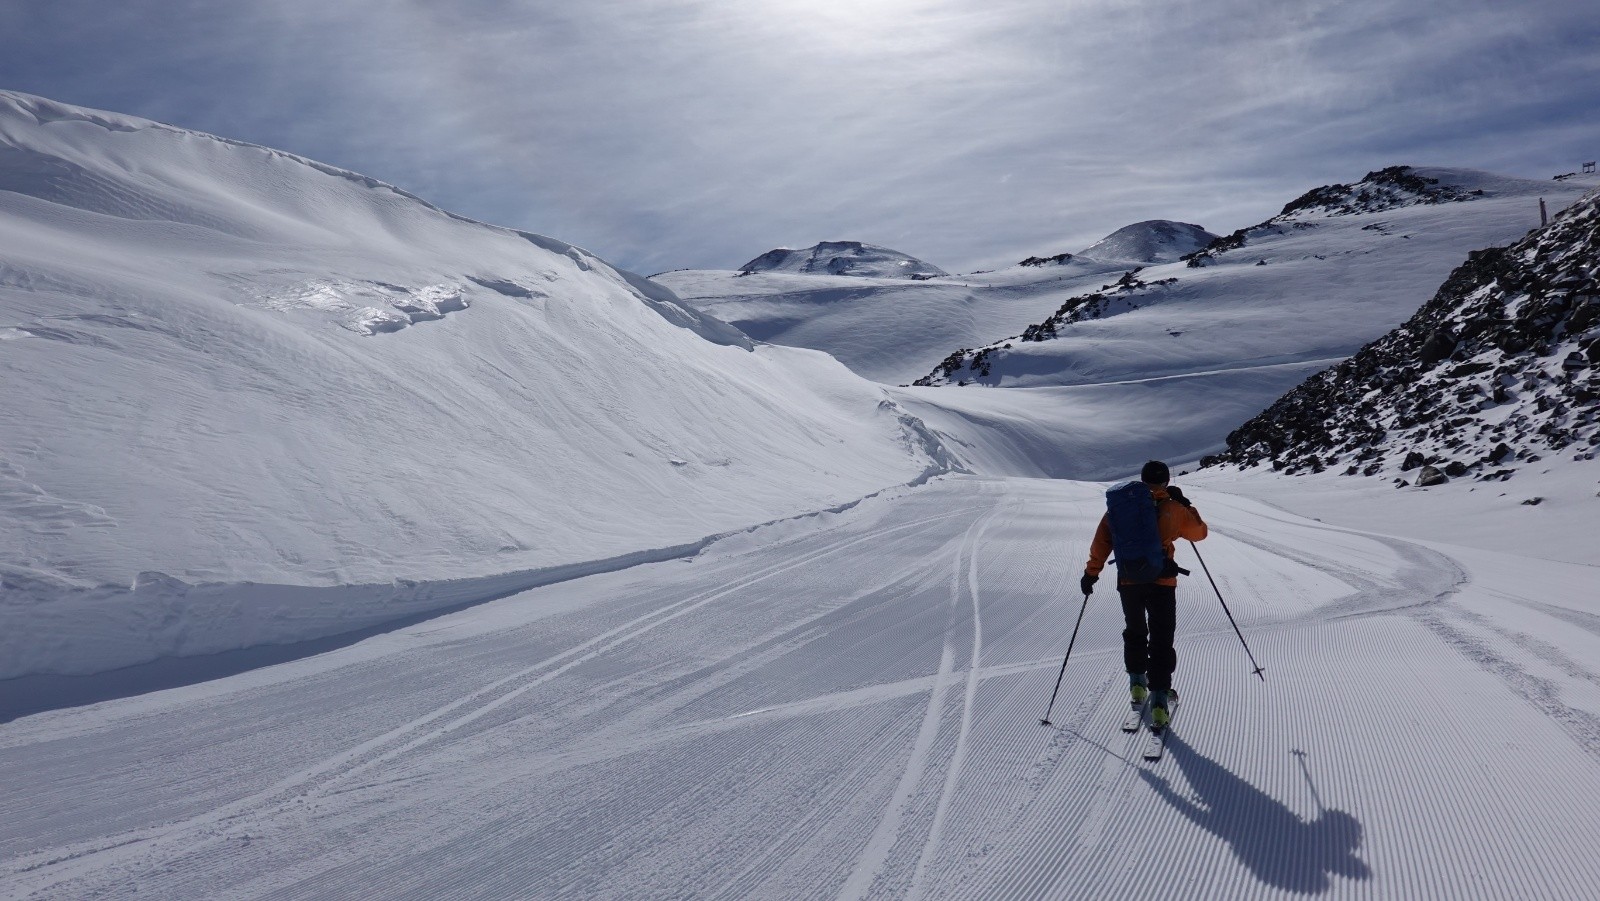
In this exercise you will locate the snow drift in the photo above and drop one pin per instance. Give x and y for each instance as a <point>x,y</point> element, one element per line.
<point>226,364</point>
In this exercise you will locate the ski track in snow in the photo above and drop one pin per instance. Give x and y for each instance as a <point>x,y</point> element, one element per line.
<point>876,854</point>
<point>851,711</point>
<point>974,671</point>
<point>415,733</point>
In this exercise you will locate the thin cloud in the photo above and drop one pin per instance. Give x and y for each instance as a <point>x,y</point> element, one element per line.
<point>674,133</point>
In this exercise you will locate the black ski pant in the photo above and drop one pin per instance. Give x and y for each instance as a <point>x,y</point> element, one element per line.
<point>1151,613</point>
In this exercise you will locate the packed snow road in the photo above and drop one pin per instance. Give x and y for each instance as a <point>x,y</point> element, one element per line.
<point>848,706</point>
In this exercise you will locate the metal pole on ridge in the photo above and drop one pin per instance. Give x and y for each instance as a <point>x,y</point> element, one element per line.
<point>1046,720</point>
<point>1229,612</point>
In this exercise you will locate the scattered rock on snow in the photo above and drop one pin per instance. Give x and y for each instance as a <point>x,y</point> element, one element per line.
<point>1431,475</point>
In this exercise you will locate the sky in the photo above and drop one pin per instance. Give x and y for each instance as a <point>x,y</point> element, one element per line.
<point>664,134</point>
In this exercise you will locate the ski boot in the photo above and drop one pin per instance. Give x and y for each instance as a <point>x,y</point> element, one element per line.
<point>1139,688</point>
<point>1161,703</point>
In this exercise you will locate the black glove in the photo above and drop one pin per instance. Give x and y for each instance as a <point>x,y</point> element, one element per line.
<point>1087,584</point>
<point>1176,493</point>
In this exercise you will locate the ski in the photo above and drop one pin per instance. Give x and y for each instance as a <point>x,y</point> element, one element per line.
<point>1135,717</point>
<point>1156,744</point>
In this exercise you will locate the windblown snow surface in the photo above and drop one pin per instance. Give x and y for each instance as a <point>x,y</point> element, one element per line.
<point>840,706</point>
<point>251,398</point>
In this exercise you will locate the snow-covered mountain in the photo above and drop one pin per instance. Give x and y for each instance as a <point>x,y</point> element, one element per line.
<point>1320,260</point>
<point>1150,242</point>
<point>844,258</point>
<point>1186,347</point>
<point>1496,372</point>
<point>890,329</point>
<point>226,365</point>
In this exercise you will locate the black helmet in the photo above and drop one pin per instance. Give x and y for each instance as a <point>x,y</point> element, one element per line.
<point>1155,473</point>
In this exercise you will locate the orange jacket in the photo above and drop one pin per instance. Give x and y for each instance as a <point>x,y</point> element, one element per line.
<point>1173,521</point>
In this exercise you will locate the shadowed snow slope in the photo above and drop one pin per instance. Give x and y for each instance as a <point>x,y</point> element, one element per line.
<point>224,363</point>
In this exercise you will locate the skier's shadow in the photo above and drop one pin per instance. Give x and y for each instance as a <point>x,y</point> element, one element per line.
<point>1280,848</point>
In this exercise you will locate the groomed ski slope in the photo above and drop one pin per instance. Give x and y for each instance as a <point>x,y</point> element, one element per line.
<point>848,707</point>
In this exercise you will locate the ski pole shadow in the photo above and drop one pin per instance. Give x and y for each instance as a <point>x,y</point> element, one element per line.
<point>1276,845</point>
<point>1109,752</point>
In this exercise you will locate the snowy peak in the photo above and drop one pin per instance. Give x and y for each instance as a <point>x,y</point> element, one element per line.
<point>844,258</point>
<point>1384,189</point>
<point>1497,370</point>
<point>1393,188</point>
<point>1150,242</point>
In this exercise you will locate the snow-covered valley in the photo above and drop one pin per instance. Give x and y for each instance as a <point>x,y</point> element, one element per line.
<point>355,549</point>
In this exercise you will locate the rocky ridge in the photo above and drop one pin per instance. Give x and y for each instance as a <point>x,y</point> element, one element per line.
<point>1499,369</point>
<point>1059,259</point>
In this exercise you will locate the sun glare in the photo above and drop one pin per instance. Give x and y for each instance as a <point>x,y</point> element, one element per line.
<point>863,25</point>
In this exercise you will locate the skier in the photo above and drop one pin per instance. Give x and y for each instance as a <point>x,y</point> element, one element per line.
<point>1149,599</point>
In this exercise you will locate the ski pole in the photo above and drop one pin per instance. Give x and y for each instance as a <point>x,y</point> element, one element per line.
<point>1229,612</point>
<point>1046,720</point>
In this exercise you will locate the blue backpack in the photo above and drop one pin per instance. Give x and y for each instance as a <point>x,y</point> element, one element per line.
<point>1135,539</point>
